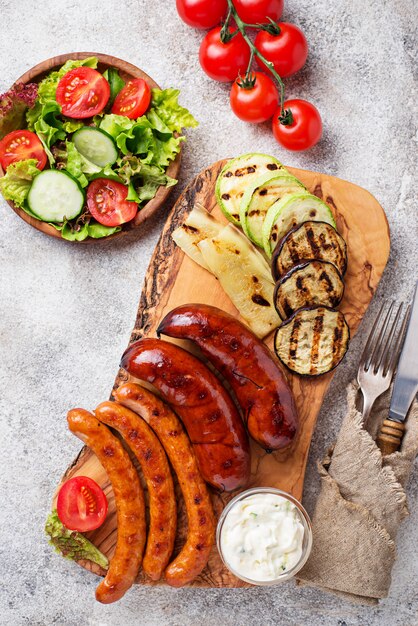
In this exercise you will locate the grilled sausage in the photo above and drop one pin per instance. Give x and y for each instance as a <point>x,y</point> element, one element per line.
<point>247,364</point>
<point>210,417</point>
<point>129,500</point>
<point>154,465</point>
<point>200,517</point>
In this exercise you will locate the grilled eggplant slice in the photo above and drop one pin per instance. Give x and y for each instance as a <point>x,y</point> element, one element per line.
<point>199,225</point>
<point>236,176</point>
<point>308,284</point>
<point>258,198</point>
<point>245,276</point>
<point>310,240</point>
<point>312,341</point>
<point>291,210</point>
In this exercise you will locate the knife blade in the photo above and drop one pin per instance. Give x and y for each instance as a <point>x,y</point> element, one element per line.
<point>406,379</point>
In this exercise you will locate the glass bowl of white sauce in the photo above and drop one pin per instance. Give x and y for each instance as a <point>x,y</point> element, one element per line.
<point>264,536</point>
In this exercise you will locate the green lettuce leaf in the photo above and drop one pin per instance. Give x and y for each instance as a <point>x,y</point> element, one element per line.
<point>116,83</point>
<point>70,126</point>
<point>97,230</point>
<point>165,105</point>
<point>79,232</point>
<point>17,181</point>
<point>142,179</point>
<point>70,159</point>
<point>49,127</point>
<point>72,544</point>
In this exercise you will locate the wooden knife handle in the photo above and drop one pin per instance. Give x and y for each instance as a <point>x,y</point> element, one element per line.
<point>390,436</point>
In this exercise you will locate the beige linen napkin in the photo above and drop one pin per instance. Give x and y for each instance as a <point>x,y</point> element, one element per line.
<point>360,506</point>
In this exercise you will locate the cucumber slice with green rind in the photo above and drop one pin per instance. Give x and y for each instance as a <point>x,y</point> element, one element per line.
<point>291,210</point>
<point>236,175</point>
<point>258,198</point>
<point>96,146</point>
<point>55,196</point>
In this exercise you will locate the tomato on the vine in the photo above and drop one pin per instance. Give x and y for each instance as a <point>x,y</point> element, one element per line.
<point>287,51</point>
<point>254,99</point>
<point>304,129</point>
<point>258,11</point>
<point>202,13</point>
<point>223,61</point>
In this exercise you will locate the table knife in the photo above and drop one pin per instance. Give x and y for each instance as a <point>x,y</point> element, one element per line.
<point>405,387</point>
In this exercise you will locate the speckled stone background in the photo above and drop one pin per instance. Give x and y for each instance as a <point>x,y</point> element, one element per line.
<point>66,312</point>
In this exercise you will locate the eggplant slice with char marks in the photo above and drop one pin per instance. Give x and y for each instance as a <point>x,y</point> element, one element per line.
<point>312,341</point>
<point>308,284</point>
<point>310,240</point>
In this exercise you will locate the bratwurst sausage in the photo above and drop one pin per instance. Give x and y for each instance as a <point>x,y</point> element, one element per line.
<point>210,417</point>
<point>247,364</point>
<point>129,498</point>
<point>200,517</point>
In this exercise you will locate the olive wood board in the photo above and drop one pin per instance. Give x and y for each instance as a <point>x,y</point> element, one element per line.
<point>173,279</point>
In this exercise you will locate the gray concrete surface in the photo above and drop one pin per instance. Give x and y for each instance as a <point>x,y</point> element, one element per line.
<point>66,312</point>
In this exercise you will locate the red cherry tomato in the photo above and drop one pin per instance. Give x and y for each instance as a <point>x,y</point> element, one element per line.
<point>133,100</point>
<point>288,51</point>
<point>202,13</point>
<point>256,104</point>
<point>106,201</point>
<point>20,145</point>
<point>258,11</point>
<point>81,504</point>
<point>223,61</point>
<point>305,130</point>
<point>82,92</point>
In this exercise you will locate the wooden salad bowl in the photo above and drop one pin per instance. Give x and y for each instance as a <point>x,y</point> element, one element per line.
<point>126,71</point>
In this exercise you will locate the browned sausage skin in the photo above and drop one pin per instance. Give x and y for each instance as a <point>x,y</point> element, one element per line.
<point>200,517</point>
<point>210,417</point>
<point>129,500</point>
<point>247,364</point>
<point>154,465</point>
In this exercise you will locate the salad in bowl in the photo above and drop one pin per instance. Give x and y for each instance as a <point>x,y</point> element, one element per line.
<point>90,147</point>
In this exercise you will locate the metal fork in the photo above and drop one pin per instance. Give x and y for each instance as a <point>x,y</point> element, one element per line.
<point>380,356</point>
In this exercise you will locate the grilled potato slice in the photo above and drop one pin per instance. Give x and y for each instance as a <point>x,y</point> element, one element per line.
<point>291,210</point>
<point>310,240</point>
<point>236,176</point>
<point>308,284</point>
<point>199,225</point>
<point>258,198</point>
<point>312,341</point>
<point>245,276</point>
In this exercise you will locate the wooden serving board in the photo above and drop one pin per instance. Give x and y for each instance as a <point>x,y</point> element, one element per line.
<point>173,279</point>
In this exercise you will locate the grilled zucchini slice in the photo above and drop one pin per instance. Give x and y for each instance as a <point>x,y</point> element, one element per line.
<point>236,176</point>
<point>308,284</point>
<point>291,210</point>
<point>258,198</point>
<point>245,276</point>
<point>310,240</point>
<point>199,225</point>
<point>312,341</point>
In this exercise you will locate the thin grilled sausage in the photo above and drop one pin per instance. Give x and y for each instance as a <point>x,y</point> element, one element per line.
<point>200,516</point>
<point>154,465</point>
<point>129,498</point>
<point>210,417</point>
<point>247,364</point>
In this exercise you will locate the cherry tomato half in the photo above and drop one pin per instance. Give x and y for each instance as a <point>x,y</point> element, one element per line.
<point>106,201</point>
<point>82,92</point>
<point>258,11</point>
<point>133,100</point>
<point>81,504</point>
<point>20,145</point>
<point>288,51</point>
<point>255,104</point>
<point>305,130</point>
<point>223,61</point>
<point>202,13</point>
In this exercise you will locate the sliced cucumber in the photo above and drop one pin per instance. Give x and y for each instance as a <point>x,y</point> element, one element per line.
<point>237,175</point>
<point>55,196</point>
<point>258,198</point>
<point>199,225</point>
<point>291,210</point>
<point>96,146</point>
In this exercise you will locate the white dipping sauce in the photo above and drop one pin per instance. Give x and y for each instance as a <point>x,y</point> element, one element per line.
<point>262,536</point>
